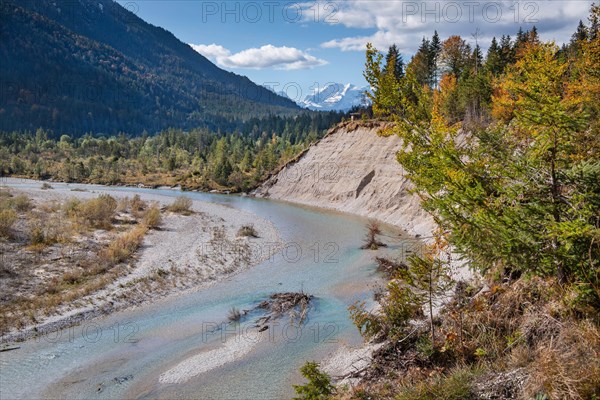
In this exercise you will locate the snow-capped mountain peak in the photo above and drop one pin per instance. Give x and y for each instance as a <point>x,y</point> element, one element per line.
<point>335,97</point>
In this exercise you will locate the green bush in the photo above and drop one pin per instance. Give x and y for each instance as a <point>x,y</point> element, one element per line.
<point>319,385</point>
<point>398,307</point>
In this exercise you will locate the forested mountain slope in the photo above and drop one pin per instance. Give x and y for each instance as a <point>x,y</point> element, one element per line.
<point>93,66</point>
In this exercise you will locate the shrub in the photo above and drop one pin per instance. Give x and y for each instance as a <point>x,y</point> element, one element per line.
<point>22,203</point>
<point>368,324</point>
<point>123,204</point>
<point>7,220</point>
<point>36,235</point>
<point>47,229</point>
<point>124,246</point>
<point>99,212</point>
<point>248,231</point>
<point>152,217</point>
<point>72,277</point>
<point>397,309</point>
<point>319,385</point>
<point>46,186</point>
<point>181,205</point>
<point>71,206</point>
<point>137,206</point>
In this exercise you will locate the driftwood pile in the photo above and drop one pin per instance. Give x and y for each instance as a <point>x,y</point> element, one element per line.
<point>295,304</point>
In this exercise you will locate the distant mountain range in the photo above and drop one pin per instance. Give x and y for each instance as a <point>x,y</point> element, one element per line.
<point>336,97</point>
<point>93,66</point>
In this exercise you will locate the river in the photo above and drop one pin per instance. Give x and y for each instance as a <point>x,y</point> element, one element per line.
<point>126,354</point>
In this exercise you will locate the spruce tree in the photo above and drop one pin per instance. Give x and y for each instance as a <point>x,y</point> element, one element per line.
<point>477,59</point>
<point>507,52</point>
<point>577,39</point>
<point>435,47</point>
<point>394,58</point>
<point>581,34</point>
<point>421,63</point>
<point>493,61</point>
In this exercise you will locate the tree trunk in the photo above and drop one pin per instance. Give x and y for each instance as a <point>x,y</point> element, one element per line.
<point>432,328</point>
<point>561,274</point>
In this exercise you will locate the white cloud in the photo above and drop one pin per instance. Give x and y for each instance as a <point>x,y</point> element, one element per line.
<point>267,56</point>
<point>212,51</point>
<point>406,22</point>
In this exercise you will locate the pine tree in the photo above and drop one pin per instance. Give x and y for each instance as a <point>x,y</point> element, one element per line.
<point>543,124</point>
<point>594,31</point>
<point>533,36</point>
<point>521,37</point>
<point>577,39</point>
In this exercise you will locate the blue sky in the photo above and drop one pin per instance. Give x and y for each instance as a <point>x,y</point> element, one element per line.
<point>299,46</point>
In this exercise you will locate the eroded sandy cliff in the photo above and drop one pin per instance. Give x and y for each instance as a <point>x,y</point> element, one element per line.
<point>354,170</point>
